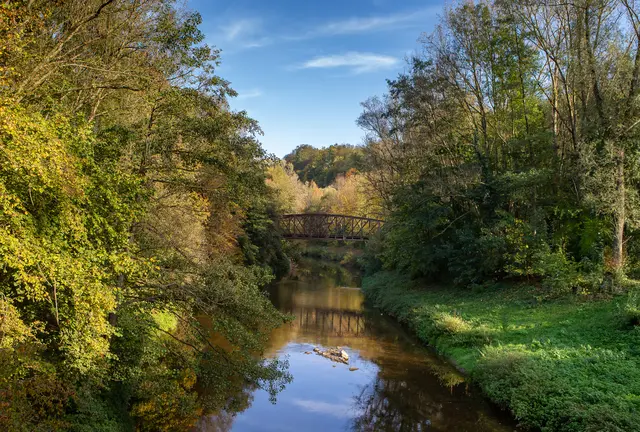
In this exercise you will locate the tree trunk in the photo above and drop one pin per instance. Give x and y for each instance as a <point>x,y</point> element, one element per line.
<point>555,118</point>
<point>619,213</point>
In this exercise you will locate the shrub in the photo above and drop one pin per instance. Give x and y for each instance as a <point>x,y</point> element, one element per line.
<point>475,258</point>
<point>632,309</point>
<point>559,273</point>
<point>370,261</point>
<point>523,246</point>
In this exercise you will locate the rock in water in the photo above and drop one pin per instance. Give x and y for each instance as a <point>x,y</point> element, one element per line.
<point>353,369</point>
<point>334,354</point>
<point>344,355</point>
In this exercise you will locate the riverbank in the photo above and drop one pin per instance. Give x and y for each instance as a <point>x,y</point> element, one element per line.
<point>334,250</point>
<point>569,364</point>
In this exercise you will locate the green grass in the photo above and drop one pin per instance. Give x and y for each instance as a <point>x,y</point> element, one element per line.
<point>571,364</point>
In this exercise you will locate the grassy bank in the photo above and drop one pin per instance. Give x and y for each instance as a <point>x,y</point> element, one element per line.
<point>330,251</point>
<point>570,364</point>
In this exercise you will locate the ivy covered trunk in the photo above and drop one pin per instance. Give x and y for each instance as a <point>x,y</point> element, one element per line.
<point>619,212</point>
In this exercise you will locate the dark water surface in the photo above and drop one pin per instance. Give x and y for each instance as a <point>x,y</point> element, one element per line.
<point>399,385</point>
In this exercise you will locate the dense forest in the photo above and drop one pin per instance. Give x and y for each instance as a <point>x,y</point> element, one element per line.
<point>510,147</point>
<point>133,204</point>
<point>506,162</point>
<point>325,180</point>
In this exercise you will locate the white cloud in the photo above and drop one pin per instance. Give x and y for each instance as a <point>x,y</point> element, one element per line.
<point>249,32</point>
<point>356,61</point>
<point>249,94</point>
<point>360,25</point>
<point>257,43</point>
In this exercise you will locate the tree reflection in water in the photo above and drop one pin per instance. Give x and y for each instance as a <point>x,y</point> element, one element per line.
<point>414,390</point>
<point>222,422</point>
<point>384,406</point>
<point>399,386</point>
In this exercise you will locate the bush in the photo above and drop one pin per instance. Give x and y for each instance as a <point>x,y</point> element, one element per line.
<point>559,273</point>
<point>452,324</point>
<point>523,246</point>
<point>632,309</point>
<point>370,261</point>
<point>476,258</point>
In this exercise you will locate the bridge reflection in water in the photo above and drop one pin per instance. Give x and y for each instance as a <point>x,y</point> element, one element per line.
<point>329,322</point>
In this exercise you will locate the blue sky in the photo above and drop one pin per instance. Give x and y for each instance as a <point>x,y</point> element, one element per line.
<point>302,67</point>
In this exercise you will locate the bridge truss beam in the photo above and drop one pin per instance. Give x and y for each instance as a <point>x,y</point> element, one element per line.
<point>328,226</point>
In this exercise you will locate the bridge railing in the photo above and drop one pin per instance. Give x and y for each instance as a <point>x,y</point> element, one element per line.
<point>328,226</point>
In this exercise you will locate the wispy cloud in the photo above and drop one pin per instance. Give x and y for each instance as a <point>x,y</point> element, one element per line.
<point>355,61</point>
<point>244,33</point>
<point>249,94</point>
<point>368,24</point>
<point>257,43</point>
<point>239,28</point>
<point>356,25</point>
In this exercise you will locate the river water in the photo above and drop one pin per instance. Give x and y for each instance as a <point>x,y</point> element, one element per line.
<point>398,385</point>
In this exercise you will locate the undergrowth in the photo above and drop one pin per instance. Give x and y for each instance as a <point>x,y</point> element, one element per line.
<point>568,364</point>
<point>344,255</point>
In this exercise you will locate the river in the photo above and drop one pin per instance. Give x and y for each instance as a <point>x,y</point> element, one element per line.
<point>398,385</point>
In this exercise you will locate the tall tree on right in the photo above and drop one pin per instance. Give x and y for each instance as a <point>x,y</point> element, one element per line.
<point>591,55</point>
<point>514,133</point>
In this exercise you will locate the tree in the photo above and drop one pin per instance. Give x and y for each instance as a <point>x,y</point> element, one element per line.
<point>601,112</point>
<point>291,191</point>
<point>130,195</point>
<point>509,135</point>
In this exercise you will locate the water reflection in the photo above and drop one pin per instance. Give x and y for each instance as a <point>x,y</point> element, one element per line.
<point>399,386</point>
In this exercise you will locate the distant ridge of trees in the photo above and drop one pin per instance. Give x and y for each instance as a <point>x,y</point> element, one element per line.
<point>323,165</point>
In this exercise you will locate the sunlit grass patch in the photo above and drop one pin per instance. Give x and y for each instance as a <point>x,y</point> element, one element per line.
<point>451,323</point>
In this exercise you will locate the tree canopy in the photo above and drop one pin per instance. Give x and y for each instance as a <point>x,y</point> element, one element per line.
<point>132,201</point>
<point>324,165</point>
<point>507,150</point>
